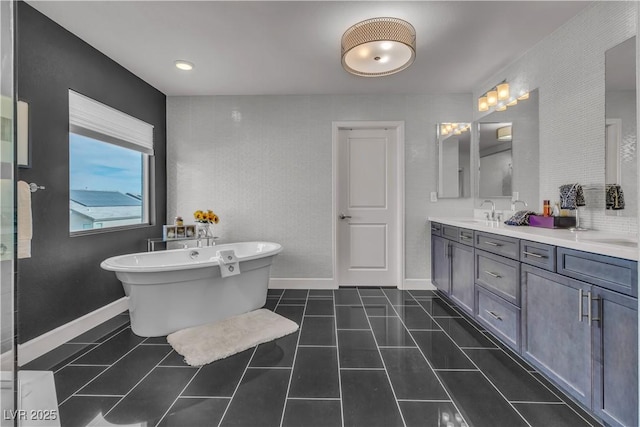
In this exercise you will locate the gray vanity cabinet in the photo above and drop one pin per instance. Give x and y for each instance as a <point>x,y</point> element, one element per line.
<point>615,371</point>
<point>452,264</point>
<point>462,275</point>
<point>571,314</point>
<point>556,335</point>
<point>440,264</point>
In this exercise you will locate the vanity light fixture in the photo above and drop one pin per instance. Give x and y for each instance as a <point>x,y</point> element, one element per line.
<point>500,97</point>
<point>455,128</point>
<point>378,47</point>
<point>184,65</point>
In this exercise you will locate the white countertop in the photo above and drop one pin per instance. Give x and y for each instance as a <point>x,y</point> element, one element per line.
<point>605,243</point>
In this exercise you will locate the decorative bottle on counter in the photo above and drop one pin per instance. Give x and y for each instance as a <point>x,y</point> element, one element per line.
<point>546,209</point>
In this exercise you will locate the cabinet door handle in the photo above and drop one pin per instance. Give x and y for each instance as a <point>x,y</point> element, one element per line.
<point>435,229</point>
<point>464,237</point>
<point>492,314</point>
<point>533,254</point>
<point>493,244</point>
<point>580,316</point>
<point>591,298</point>
<point>497,276</point>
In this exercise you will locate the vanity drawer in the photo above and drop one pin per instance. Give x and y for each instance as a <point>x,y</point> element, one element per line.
<point>499,275</point>
<point>499,317</point>
<point>538,254</point>
<point>465,236</point>
<point>616,274</point>
<point>450,232</point>
<point>501,245</point>
<point>436,228</point>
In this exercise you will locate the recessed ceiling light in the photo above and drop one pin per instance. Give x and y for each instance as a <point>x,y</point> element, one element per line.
<point>184,65</point>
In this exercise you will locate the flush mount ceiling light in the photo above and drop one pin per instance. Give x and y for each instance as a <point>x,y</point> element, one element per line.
<point>378,47</point>
<point>184,65</point>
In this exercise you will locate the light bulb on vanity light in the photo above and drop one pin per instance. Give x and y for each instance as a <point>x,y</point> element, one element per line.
<point>482,104</point>
<point>492,98</point>
<point>512,102</point>
<point>501,107</point>
<point>523,95</point>
<point>503,91</point>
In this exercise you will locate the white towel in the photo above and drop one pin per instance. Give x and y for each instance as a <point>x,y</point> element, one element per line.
<point>229,264</point>
<point>25,227</point>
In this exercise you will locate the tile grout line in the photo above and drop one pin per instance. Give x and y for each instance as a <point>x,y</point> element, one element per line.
<point>179,394</point>
<point>245,371</point>
<point>293,362</point>
<point>138,383</point>
<point>335,332</point>
<point>480,370</point>
<point>101,373</point>
<point>427,359</point>
<point>395,397</point>
<point>95,347</point>
<point>520,363</point>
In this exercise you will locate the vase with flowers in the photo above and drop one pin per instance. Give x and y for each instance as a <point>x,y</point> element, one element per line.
<point>204,220</point>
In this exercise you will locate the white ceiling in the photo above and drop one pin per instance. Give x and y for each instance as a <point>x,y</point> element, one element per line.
<point>274,47</point>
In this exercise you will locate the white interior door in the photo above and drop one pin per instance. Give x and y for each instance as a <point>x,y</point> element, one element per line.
<point>367,207</point>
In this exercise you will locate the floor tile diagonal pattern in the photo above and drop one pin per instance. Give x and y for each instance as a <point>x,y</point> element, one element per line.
<point>362,357</point>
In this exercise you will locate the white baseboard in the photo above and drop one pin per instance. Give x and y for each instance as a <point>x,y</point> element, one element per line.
<point>418,284</point>
<point>301,283</point>
<point>44,343</point>
<point>305,283</point>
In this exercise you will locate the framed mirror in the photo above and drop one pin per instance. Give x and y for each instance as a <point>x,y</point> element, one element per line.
<point>621,171</point>
<point>454,160</point>
<point>508,153</point>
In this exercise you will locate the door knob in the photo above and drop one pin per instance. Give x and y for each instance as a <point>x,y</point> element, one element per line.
<point>343,216</point>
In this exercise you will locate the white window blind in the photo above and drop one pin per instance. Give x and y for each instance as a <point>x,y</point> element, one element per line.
<point>93,119</point>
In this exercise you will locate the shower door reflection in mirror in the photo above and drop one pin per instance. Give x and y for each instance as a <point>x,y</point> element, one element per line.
<point>621,171</point>
<point>454,160</point>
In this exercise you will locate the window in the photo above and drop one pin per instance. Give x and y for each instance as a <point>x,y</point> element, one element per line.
<point>109,162</point>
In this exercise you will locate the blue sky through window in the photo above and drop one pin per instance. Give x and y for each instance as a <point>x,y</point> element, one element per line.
<point>97,165</point>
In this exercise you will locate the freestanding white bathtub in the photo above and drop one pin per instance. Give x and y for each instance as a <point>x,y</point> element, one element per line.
<point>176,289</point>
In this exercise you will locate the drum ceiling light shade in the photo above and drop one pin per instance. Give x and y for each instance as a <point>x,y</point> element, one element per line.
<point>378,47</point>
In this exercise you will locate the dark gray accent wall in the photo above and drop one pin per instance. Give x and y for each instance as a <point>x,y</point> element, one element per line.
<point>63,279</point>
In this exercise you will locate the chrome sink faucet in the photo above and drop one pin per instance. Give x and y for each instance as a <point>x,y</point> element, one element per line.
<point>493,209</point>
<point>513,204</point>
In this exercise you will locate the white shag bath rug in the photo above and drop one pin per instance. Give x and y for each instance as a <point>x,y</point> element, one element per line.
<point>207,343</point>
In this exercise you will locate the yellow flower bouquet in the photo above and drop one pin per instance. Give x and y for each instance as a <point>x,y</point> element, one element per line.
<point>208,217</point>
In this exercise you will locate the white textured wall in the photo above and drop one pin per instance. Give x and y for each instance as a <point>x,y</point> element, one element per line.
<point>568,68</point>
<point>263,163</point>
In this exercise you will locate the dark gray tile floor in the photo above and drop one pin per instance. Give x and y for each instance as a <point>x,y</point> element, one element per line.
<point>362,357</point>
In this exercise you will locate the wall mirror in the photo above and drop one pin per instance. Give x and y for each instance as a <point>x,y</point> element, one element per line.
<point>496,160</point>
<point>508,152</point>
<point>454,159</point>
<point>621,188</point>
